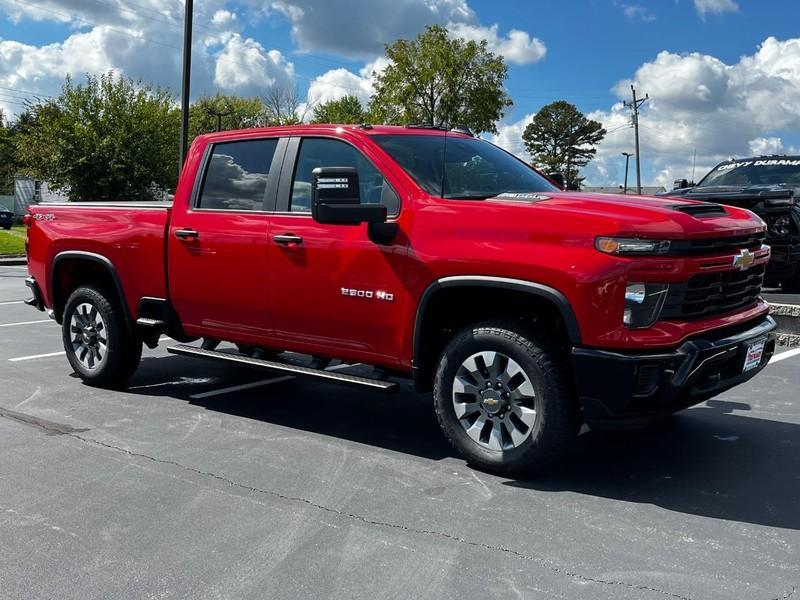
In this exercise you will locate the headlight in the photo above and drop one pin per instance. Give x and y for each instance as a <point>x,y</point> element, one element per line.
<point>643,303</point>
<point>631,246</point>
<point>780,226</point>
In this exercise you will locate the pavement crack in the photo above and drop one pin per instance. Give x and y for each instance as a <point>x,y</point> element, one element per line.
<point>542,562</point>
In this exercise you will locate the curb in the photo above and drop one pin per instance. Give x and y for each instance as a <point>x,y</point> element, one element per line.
<point>787,316</point>
<point>13,261</point>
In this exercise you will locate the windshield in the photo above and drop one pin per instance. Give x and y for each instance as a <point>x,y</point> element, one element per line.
<point>767,171</point>
<point>459,167</point>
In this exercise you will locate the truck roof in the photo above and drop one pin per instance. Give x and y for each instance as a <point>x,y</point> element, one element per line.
<point>363,129</point>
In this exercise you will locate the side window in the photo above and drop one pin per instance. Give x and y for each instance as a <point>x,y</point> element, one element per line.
<point>236,175</point>
<point>323,152</point>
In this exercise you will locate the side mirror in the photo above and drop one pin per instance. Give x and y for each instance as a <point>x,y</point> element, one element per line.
<point>336,199</point>
<point>559,179</point>
<point>680,184</point>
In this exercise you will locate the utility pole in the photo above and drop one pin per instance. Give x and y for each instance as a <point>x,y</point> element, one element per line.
<point>634,106</point>
<point>187,72</point>
<point>627,156</point>
<point>219,114</point>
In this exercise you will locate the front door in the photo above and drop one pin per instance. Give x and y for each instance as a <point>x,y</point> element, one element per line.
<point>330,285</point>
<point>218,246</point>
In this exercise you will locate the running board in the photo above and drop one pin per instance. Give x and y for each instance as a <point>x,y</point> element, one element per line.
<point>283,367</point>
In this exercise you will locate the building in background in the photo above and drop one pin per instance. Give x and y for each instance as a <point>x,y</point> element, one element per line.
<point>28,190</point>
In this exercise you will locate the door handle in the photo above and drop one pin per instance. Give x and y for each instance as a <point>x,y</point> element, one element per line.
<point>186,234</point>
<point>288,238</point>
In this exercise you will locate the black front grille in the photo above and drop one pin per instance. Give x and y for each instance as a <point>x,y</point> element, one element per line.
<point>719,245</point>
<point>713,294</point>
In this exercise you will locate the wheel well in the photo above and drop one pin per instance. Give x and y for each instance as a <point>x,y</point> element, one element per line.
<point>70,273</point>
<point>448,310</point>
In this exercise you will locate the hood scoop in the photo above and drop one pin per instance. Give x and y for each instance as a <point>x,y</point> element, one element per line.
<point>700,211</point>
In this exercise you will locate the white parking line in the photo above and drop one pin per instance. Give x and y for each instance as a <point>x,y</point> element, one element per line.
<point>27,323</point>
<point>35,356</point>
<point>244,386</point>
<point>12,302</point>
<point>247,386</point>
<point>784,355</point>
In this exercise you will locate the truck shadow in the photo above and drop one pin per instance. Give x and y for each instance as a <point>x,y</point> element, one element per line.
<point>706,461</point>
<point>402,422</point>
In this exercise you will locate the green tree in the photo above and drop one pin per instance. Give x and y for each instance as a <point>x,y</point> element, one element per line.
<point>111,138</point>
<point>8,157</point>
<point>561,139</point>
<point>344,110</point>
<point>236,112</point>
<point>441,81</point>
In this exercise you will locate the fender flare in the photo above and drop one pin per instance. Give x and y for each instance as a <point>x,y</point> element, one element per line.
<point>529,287</point>
<point>107,265</point>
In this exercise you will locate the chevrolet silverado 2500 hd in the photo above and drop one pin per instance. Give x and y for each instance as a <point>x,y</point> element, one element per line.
<point>428,254</point>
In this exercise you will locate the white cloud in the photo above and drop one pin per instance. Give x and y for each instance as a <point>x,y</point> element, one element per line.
<point>140,41</point>
<point>337,83</point>
<point>697,102</point>
<point>704,7</point>
<point>223,18</point>
<point>509,135</point>
<point>315,26</point>
<point>636,11</point>
<point>517,47</point>
<point>246,67</point>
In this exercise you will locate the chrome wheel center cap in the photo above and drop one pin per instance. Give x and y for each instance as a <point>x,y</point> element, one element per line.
<point>492,401</point>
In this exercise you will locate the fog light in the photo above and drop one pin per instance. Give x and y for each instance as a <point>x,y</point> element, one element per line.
<point>643,303</point>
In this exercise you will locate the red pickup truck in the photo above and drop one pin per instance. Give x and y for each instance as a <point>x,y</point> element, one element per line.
<point>430,255</point>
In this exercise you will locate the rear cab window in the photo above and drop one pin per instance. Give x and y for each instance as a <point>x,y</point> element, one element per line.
<point>236,175</point>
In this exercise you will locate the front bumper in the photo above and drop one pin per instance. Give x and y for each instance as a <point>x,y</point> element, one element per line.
<point>619,389</point>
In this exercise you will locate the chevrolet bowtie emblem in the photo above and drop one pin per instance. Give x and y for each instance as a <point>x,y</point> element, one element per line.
<point>744,260</point>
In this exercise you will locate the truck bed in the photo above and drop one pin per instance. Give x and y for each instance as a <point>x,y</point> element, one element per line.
<point>130,235</point>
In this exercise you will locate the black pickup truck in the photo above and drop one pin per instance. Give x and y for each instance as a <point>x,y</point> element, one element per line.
<point>770,187</point>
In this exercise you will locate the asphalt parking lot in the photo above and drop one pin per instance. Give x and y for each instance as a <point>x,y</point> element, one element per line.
<point>207,481</point>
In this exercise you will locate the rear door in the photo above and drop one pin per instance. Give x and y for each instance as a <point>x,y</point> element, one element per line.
<point>332,289</point>
<point>217,248</point>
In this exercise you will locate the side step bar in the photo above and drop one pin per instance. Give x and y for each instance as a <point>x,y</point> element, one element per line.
<point>284,367</point>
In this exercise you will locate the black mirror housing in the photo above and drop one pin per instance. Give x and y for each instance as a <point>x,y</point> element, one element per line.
<point>680,184</point>
<point>336,198</point>
<point>558,179</point>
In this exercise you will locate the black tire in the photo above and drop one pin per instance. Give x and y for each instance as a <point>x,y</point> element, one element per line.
<point>123,350</point>
<point>557,416</point>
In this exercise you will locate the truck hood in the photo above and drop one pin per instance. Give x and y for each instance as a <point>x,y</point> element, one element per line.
<point>752,197</point>
<point>645,216</point>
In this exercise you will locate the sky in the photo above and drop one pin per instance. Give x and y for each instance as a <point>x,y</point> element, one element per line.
<point>723,76</point>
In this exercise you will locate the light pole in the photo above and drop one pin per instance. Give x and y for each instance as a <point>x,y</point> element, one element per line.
<point>627,156</point>
<point>219,114</point>
<point>187,71</point>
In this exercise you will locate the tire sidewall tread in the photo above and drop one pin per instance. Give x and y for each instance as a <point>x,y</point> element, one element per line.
<point>123,349</point>
<point>557,416</point>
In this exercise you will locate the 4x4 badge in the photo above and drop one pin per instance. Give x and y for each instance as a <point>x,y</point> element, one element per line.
<point>744,260</point>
